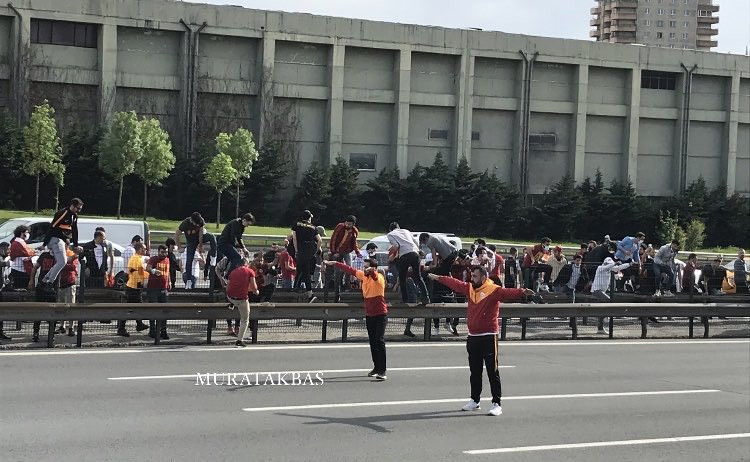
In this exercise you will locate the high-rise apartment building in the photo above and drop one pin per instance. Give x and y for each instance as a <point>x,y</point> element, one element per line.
<point>662,23</point>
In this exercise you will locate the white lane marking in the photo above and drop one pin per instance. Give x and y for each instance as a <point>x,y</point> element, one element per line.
<point>255,348</point>
<point>599,444</point>
<point>461,400</point>
<point>330,371</point>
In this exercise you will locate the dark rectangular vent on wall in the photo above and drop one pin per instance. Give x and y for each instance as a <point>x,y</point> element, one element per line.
<point>363,162</point>
<point>474,136</point>
<point>435,134</point>
<point>542,140</point>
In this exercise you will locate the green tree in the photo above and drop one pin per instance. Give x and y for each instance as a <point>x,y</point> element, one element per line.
<point>41,146</point>
<point>219,175</point>
<point>593,207</point>
<point>728,219</point>
<point>312,193</point>
<point>669,227</point>
<point>464,190</point>
<point>383,199</point>
<point>694,235</point>
<point>268,178</point>
<point>157,160</point>
<point>434,197</point>
<point>344,197</point>
<point>562,209</point>
<point>11,161</point>
<point>120,149</point>
<point>240,147</point>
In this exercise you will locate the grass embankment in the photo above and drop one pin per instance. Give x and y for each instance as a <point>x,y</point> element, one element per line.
<point>158,224</point>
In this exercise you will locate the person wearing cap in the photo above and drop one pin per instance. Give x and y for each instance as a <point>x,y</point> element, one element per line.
<point>376,310</point>
<point>307,243</point>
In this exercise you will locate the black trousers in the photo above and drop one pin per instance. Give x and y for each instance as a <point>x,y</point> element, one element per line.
<point>483,352</point>
<point>133,296</point>
<point>156,296</point>
<point>541,268</point>
<point>406,261</point>
<point>305,269</point>
<point>376,333</point>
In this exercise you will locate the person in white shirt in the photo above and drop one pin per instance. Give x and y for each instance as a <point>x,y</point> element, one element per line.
<point>198,262</point>
<point>664,264</point>
<point>601,282</point>
<point>130,250</point>
<point>557,262</point>
<point>408,257</point>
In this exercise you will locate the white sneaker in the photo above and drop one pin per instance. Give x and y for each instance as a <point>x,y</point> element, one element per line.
<point>668,293</point>
<point>188,285</point>
<point>381,377</point>
<point>657,293</point>
<point>543,288</point>
<point>471,406</point>
<point>435,331</point>
<point>496,410</point>
<point>213,261</point>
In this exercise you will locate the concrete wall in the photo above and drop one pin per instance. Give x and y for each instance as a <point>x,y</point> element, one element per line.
<point>362,87</point>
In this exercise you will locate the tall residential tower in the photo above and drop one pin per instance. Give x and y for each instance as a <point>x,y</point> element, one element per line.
<point>663,23</point>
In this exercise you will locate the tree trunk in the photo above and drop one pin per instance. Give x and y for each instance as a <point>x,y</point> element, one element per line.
<point>218,209</point>
<point>145,195</point>
<point>57,197</point>
<point>119,197</point>
<point>36,198</point>
<point>237,206</point>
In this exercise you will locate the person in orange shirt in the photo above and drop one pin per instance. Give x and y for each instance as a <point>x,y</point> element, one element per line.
<point>376,310</point>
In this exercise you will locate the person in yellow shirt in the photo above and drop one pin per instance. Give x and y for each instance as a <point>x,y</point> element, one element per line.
<point>136,276</point>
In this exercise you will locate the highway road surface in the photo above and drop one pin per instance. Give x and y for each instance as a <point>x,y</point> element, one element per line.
<point>594,400</point>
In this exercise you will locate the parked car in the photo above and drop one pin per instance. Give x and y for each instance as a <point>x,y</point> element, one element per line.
<point>119,232</point>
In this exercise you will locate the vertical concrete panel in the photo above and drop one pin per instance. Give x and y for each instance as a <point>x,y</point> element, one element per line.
<point>369,69</point>
<point>608,86</point>
<point>74,104</point>
<point>549,162</point>
<point>160,104</point>
<point>148,52</point>
<point>709,92</point>
<point>401,109</point>
<point>742,170</point>
<point>705,149</point>
<point>368,129</point>
<point>227,58</point>
<point>553,82</point>
<point>495,77</point>
<point>656,139</point>
<point>434,73</point>
<point>301,63</point>
<point>605,147</point>
<point>493,151</point>
<point>422,148</point>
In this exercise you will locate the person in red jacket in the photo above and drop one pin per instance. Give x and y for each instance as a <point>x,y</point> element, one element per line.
<point>484,299</point>
<point>376,310</point>
<point>343,243</point>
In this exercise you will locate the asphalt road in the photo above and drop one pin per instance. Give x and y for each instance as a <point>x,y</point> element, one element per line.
<point>654,400</point>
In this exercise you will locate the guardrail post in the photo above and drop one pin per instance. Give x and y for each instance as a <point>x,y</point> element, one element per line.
<point>690,326</point>
<point>523,328</point>
<point>81,295</point>
<point>503,328</point>
<point>79,334</point>
<point>209,328</point>
<point>324,330</point>
<point>692,291</point>
<point>612,287</point>
<point>611,326</point>
<point>574,327</point>
<point>644,323</point>
<point>254,331</point>
<point>704,319</point>
<point>344,329</point>
<point>427,329</point>
<point>50,334</point>
<point>157,334</point>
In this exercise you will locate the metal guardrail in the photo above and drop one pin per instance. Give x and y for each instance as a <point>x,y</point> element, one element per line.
<point>161,312</point>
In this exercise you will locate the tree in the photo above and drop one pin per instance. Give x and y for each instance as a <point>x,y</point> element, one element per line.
<point>219,175</point>
<point>344,197</point>
<point>267,180</point>
<point>694,235</point>
<point>157,159</point>
<point>41,146</point>
<point>312,192</point>
<point>562,209</point>
<point>383,199</point>
<point>240,147</point>
<point>120,149</point>
<point>11,161</point>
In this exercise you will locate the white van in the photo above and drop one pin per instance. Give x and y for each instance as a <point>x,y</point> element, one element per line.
<point>119,232</point>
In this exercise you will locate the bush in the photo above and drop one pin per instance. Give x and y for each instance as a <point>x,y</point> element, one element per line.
<point>694,235</point>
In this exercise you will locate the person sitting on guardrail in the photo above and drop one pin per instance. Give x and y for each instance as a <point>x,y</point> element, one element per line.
<point>512,269</point>
<point>740,272</point>
<point>221,267</point>
<point>712,275</point>
<point>376,310</point>
<point>242,281</point>
<point>62,231</point>
<point>20,258</point>
<point>688,274</point>
<point>484,298</point>
<point>664,264</point>
<point>572,278</point>
<point>230,240</point>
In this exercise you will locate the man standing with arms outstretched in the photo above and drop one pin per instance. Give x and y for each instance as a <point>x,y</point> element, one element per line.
<point>484,299</point>
<point>62,231</point>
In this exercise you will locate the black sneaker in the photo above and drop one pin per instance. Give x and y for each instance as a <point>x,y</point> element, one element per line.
<point>35,338</point>
<point>240,343</point>
<point>381,376</point>
<point>164,336</point>
<point>409,333</point>
<point>140,327</point>
<point>372,373</point>
<point>123,333</point>
<point>61,330</point>
<point>70,332</point>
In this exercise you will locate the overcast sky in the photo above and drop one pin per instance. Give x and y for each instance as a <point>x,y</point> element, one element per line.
<point>551,18</point>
